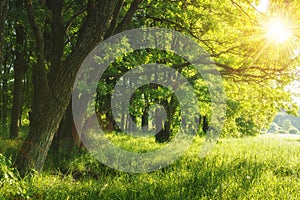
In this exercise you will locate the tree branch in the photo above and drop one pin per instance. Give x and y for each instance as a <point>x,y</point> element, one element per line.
<point>69,23</point>
<point>114,21</point>
<point>123,25</point>
<point>41,86</point>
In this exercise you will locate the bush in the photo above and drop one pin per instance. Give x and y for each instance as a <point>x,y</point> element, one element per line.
<point>11,186</point>
<point>293,131</point>
<point>9,147</point>
<point>282,132</point>
<point>247,127</point>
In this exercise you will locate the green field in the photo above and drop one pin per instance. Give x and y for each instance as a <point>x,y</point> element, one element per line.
<point>247,168</point>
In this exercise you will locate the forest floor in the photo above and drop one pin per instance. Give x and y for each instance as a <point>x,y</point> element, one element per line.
<point>262,167</point>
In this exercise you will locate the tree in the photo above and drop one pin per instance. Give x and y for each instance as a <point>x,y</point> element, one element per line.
<point>232,43</point>
<point>66,31</point>
<point>287,124</point>
<point>19,72</point>
<point>3,13</point>
<point>52,91</point>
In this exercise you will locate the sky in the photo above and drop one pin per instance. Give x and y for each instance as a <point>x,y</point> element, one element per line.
<point>262,6</point>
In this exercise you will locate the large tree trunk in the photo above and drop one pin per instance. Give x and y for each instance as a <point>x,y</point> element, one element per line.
<point>46,120</point>
<point>68,135</point>
<point>64,141</point>
<point>19,72</point>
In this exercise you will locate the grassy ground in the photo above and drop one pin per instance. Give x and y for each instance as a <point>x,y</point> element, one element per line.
<point>246,168</point>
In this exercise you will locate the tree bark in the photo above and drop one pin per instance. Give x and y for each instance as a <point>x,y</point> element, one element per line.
<point>160,136</point>
<point>145,119</point>
<point>3,13</point>
<point>165,134</point>
<point>6,69</point>
<point>64,139</point>
<point>57,36</point>
<point>145,115</point>
<point>19,72</point>
<point>108,124</point>
<point>46,120</point>
<point>125,23</point>
<point>40,81</point>
<point>205,125</point>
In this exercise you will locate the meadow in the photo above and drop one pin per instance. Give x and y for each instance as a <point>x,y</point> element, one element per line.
<point>245,168</point>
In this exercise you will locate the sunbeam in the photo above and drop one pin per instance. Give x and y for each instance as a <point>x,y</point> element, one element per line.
<point>277,30</point>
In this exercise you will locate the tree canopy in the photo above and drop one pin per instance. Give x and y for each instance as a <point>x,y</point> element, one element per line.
<point>44,43</point>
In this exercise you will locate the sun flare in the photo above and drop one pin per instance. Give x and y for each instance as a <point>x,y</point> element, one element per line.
<point>278,30</point>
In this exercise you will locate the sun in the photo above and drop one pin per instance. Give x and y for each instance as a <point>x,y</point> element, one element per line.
<point>278,30</point>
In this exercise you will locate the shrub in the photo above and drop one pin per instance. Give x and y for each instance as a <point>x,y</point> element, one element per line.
<point>11,186</point>
<point>247,127</point>
<point>9,148</point>
<point>282,132</point>
<point>293,131</point>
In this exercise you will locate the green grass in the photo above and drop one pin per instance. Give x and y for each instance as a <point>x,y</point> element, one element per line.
<point>245,168</point>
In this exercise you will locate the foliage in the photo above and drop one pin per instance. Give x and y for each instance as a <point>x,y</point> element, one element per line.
<point>10,147</point>
<point>11,185</point>
<point>232,35</point>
